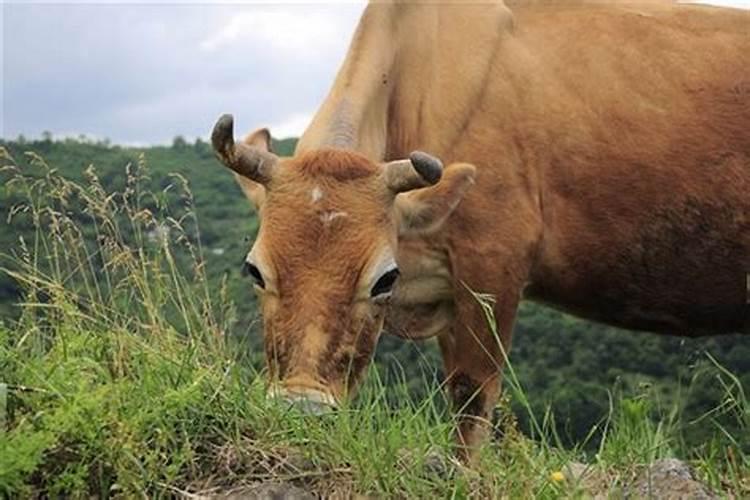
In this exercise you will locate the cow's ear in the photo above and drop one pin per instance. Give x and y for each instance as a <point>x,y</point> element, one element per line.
<point>254,191</point>
<point>423,211</point>
<point>260,139</point>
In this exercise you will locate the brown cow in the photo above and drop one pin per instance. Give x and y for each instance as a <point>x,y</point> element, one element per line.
<point>612,154</point>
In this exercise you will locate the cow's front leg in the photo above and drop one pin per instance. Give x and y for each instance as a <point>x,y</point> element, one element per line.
<point>473,355</point>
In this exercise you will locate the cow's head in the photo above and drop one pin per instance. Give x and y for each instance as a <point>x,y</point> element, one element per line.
<point>324,264</point>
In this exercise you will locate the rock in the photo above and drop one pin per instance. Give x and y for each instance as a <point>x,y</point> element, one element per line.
<point>576,471</point>
<point>435,462</point>
<point>588,479</point>
<point>668,478</point>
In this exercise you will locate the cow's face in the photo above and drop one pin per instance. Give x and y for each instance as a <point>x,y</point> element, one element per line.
<point>324,263</point>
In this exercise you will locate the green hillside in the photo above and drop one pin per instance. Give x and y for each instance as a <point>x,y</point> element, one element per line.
<point>133,362</point>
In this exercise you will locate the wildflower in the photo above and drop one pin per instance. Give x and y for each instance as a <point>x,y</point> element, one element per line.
<point>557,476</point>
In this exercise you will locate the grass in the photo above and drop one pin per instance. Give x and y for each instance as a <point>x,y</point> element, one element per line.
<point>118,380</point>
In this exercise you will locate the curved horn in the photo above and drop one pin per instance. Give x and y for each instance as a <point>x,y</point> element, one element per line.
<point>420,170</point>
<point>247,161</point>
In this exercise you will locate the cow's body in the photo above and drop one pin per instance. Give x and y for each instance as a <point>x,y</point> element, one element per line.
<point>613,146</point>
<point>613,149</point>
<point>613,152</point>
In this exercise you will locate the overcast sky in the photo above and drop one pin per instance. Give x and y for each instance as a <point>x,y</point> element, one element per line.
<point>140,73</point>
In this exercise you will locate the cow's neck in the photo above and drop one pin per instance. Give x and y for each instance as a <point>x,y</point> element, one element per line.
<point>353,115</point>
<point>405,83</point>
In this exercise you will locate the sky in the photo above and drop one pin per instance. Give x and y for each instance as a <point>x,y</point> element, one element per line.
<point>142,73</point>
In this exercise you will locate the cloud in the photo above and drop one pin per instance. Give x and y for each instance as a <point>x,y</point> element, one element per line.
<point>291,126</point>
<point>739,4</point>
<point>145,73</point>
<point>283,31</point>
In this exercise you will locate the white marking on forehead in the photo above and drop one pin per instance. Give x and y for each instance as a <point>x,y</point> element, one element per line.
<point>316,194</point>
<point>328,217</point>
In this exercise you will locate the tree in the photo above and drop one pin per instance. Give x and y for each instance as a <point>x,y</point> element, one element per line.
<point>179,142</point>
<point>202,148</point>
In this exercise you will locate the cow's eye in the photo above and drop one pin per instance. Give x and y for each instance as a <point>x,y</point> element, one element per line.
<point>384,286</point>
<point>249,269</point>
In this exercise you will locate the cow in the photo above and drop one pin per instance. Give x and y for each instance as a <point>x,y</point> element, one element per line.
<point>597,160</point>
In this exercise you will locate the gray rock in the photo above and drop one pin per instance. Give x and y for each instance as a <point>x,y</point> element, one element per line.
<point>576,471</point>
<point>436,463</point>
<point>589,480</point>
<point>668,478</point>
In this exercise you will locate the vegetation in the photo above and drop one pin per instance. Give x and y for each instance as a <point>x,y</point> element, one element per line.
<point>129,361</point>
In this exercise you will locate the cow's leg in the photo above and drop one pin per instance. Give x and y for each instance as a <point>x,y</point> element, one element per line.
<point>497,239</point>
<point>473,355</point>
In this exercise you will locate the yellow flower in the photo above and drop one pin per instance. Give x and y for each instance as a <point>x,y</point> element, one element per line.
<point>557,476</point>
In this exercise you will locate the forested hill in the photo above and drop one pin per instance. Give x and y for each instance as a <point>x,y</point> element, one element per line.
<point>564,363</point>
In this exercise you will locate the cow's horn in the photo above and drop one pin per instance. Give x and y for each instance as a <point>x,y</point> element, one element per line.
<point>420,170</point>
<point>254,163</point>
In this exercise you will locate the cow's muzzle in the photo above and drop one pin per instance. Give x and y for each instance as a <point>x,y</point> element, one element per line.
<point>308,401</point>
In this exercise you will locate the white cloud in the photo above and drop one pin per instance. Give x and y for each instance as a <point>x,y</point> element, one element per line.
<point>291,126</point>
<point>137,74</point>
<point>282,31</point>
<point>740,4</point>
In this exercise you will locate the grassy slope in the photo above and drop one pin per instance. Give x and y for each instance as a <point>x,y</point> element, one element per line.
<point>120,378</point>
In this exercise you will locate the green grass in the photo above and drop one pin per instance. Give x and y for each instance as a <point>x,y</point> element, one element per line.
<point>119,380</point>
